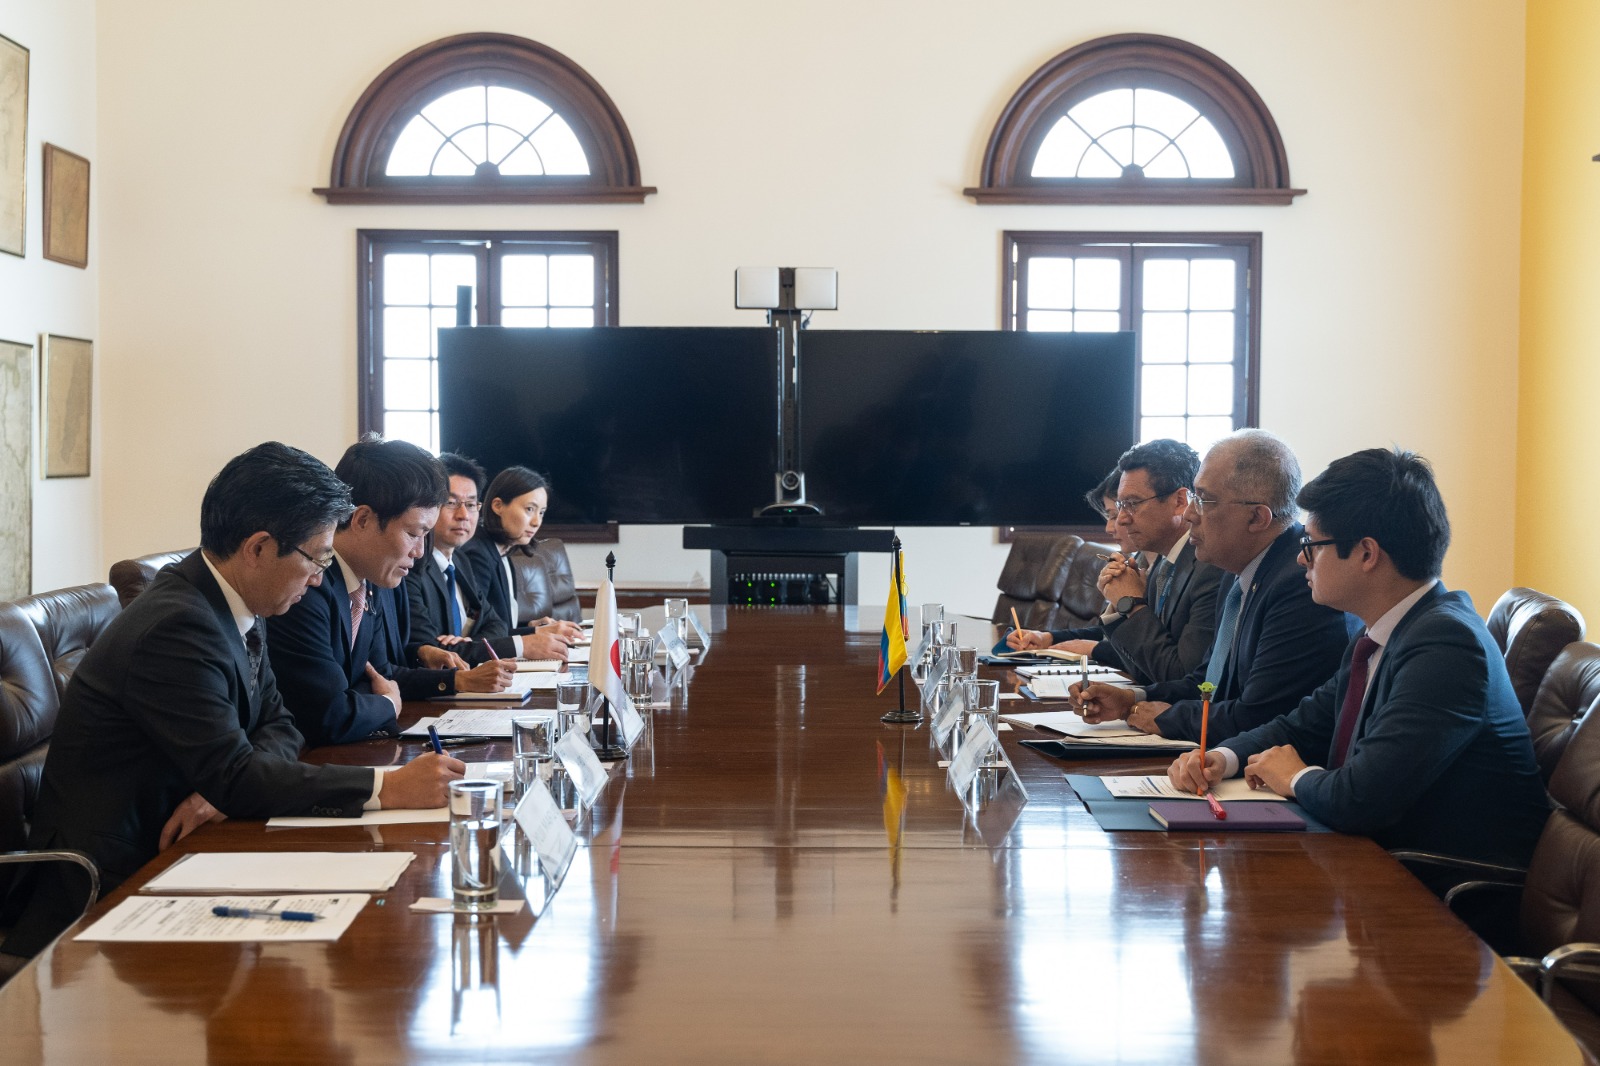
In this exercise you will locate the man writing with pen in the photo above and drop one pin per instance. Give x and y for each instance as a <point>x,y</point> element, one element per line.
<point>1418,740</point>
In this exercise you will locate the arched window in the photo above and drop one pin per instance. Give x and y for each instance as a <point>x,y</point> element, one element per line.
<point>1135,119</point>
<point>485,118</point>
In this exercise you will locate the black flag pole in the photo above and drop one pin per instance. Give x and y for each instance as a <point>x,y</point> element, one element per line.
<point>901,715</point>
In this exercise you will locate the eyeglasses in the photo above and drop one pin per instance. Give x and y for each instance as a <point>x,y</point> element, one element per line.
<point>1200,503</point>
<point>1130,506</point>
<point>472,506</point>
<point>1306,544</point>
<point>321,564</point>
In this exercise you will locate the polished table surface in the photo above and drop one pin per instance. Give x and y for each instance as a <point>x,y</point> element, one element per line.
<point>737,901</point>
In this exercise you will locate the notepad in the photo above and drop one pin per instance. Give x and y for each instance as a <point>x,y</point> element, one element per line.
<point>283,871</point>
<point>1071,724</point>
<point>1242,817</point>
<point>189,920</point>
<point>1160,786</point>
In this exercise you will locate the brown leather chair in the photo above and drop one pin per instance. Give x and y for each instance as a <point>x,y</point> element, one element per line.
<point>1567,696</point>
<point>132,576</point>
<point>545,583</point>
<point>1531,629</point>
<point>1080,599</point>
<point>68,621</point>
<point>1033,579</point>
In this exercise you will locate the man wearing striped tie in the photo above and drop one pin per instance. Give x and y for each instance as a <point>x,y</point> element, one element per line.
<point>1273,644</point>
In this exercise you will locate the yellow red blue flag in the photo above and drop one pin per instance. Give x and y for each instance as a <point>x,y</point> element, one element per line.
<point>892,648</point>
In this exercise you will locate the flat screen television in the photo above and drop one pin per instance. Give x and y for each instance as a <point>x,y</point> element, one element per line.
<point>958,428</point>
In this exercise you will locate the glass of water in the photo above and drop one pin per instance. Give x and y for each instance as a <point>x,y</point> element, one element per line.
<point>475,823</point>
<point>638,664</point>
<point>570,696</point>
<point>983,701</point>
<point>932,612</point>
<point>533,745</point>
<point>678,615</point>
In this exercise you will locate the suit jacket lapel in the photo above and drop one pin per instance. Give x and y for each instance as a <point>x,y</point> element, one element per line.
<point>1396,643</point>
<point>194,570</point>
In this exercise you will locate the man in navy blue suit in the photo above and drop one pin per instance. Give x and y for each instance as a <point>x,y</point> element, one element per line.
<point>1418,741</point>
<point>1273,645</point>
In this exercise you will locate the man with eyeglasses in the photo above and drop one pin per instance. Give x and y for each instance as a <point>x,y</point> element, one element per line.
<point>448,609</point>
<point>173,716</point>
<point>1418,740</point>
<point>345,655</point>
<point>1273,644</point>
<point>1160,615</point>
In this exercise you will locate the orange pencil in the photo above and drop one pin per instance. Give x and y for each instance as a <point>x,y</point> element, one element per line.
<point>1015,624</point>
<point>1206,688</point>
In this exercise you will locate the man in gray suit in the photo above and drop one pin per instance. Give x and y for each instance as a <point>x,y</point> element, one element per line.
<point>173,717</point>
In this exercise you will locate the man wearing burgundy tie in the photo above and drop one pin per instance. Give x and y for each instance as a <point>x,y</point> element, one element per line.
<point>1418,741</point>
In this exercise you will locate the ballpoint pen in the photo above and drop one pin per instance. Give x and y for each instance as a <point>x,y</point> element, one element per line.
<point>255,912</point>
<point>490,649</point>
<point>433,738</point>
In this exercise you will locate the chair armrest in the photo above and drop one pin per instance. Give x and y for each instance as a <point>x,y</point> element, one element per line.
<point>1466,888</point>
<point>1469,870</point>
<point>1526,967</point>
<point>1569,960</point>
<point>77,858</point>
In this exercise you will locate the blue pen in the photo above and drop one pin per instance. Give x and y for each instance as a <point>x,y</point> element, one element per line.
<point>433,738</point>
<point>252,912</point>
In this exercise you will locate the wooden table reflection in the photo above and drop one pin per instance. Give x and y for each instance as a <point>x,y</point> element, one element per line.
<point>736,901</point>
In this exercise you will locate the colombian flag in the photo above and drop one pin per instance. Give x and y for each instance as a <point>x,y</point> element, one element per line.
<point>892,649</point>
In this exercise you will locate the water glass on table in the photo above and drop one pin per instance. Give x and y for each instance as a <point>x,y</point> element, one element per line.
<point>678,615</point>
<point>533,745</point>
<point>475,824</point>
<point>638,666</point>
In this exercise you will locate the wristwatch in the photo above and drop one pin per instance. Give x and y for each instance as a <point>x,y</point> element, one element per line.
<point>1126,605</point>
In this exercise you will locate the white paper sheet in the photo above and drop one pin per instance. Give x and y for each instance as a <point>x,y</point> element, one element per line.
<point>379,817</point>
<point>188,919</point>
<point>1159,786</point>
<point>1070,723</point>
<point>283,871</point>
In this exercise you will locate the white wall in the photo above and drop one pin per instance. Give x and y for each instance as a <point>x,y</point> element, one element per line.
<point>842,137</point>
<point>39,296</point>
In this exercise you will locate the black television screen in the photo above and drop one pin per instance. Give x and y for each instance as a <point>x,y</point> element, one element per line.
<point>936,428</point>
<point>646,425</point>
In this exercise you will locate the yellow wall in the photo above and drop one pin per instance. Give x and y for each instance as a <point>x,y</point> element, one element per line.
<point>1557,493</point>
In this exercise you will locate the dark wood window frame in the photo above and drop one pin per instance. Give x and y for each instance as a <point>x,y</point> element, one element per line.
<point>371,244</point>
<point>1130,60</point>
<point>421,76</point>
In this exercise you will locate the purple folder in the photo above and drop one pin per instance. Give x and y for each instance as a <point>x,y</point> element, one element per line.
<point>1243,816</point>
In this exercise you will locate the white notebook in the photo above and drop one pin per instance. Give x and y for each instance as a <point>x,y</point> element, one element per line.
<point>283,871</point>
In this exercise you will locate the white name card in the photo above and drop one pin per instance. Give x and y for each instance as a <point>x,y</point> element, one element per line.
<point>677,651</point>
<point>948,714</point>
<point>699,635</point>
<point>588,776</point>
<point>552,838</point>
<point>974,746</point>
<point>930,684</point>
<point>630,723</point>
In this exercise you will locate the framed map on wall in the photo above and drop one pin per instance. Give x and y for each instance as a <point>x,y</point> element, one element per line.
<point>16,470</point>
<point>13,145</point>
<point>66,377</point>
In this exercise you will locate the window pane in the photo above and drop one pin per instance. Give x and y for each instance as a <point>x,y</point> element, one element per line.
<point>1211,284</point>
<point>1160,428</point>
<point>1208,156</point>
<point>1098,285</point>
<point>1166,284</point>
<point>1161,111</point>
<point>1060,150</point>
<point>412,155</point>
<point>456,158</point>
<point>1162,390</point>
<point>406,384</point>
<point>405,333</point>
<point>1211,389</point>
<point>571,281</point>
<point>522,281</point>
<point>1049,282</point>
<point>1104,111</point>
<point>1119,143</point>
<point>523,161</point>
<point>1165,336</point>
<point>1211,337</point>
<point>520,111</point>
<point>1097,321</point>
<point>1167,163</point>
<point>558,146</point>
<point>1147,143</point>
<point>1049,321</point>
<point>456,110</point>
<point>502,140</point>
<point>405,279</point>
<point>418,428</point>
<point>524,316</point>
<point>1204,432</point>
<point>571,316</point>
<point>450,271</point>
<point>1098,163</point>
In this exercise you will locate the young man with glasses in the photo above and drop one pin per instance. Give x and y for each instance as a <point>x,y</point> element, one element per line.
<point>173,717</point>
<point>1272,645</point>
<point>1160,616</point>
<point>448,609</point>
<point>1418,740</point>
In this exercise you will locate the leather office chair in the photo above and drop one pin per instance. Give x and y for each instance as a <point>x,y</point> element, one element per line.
<point>545,582</point>
<point>1569,693</point>
<point>1080,599</point>
<point>1531,629</point>
<point>1033,579</point>
<point>132,576</point>
<point>68,621</point>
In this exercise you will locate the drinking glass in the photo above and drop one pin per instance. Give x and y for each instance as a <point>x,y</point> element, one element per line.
<point>570,696</point>
<point>533,745</point>
<point>983,701</point>
<point>678,615</point>
<point>639,663</point>
<point>475,823</point>
<point>628,625</point>
<point>932,612</point>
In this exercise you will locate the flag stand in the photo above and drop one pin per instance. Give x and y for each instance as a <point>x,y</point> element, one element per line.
<point>609,750</point>
<point>901,716</point>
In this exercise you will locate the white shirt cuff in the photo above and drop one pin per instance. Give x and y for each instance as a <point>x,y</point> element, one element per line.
<point>372,803</point>
<point>1295,780</point>
<point>396,701</point>
<point>516,642</point>
<point>1230,762</point>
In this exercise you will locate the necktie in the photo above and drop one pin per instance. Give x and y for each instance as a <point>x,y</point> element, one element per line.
<point>450,595</point>
<point>252,648</point>
<point>1226,625</point>
<point>1355,690</point>
<point>1161,581</point>
<point>358,606</point>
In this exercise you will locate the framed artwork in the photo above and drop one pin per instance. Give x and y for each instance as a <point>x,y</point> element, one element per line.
<point>68,369</point>
<point>13,146</point>
<point>66,207</point>
<point>16,470</point>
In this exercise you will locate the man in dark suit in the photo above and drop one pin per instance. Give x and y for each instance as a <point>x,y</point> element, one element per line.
<point>1273,645</point>
<point>345,655</point>
<point>173,717</point>
<point>1162,615</point>
<point>449,606</point>
<point>1418,740</point>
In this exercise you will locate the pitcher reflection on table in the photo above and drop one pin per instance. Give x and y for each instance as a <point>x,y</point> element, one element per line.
<point>475,822</point>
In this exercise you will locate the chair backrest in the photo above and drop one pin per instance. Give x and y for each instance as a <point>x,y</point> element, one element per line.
<point>28,709</point>
<point>1080,597</point>
<point>1569,692</point>
<point>1033,578</point>
<point>545,582</point>
<point>132,576</point>
<point>1531,629</point>
<point>68,621</point>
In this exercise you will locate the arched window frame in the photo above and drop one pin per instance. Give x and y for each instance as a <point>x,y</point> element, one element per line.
<point>418,78</point>
<point>1216,90</point>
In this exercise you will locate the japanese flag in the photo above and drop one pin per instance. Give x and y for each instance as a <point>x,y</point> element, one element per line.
<point>605,655</point>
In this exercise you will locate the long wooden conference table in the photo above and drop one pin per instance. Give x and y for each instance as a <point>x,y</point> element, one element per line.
<point>736,900</point>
